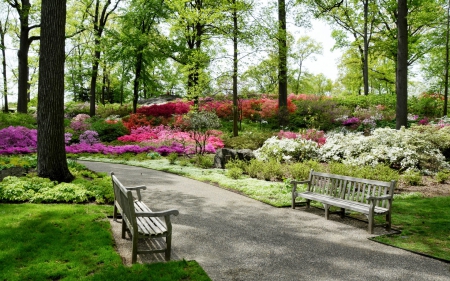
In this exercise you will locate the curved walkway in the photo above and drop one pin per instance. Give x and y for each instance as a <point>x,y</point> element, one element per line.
<point>237,238</point>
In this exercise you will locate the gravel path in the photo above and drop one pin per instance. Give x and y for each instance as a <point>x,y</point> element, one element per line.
<point>237,238</point>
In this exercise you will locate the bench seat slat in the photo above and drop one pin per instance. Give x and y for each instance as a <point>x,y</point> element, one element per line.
<point>341,203</point>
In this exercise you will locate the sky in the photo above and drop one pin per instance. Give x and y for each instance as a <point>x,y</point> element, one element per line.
<point>327,62</point>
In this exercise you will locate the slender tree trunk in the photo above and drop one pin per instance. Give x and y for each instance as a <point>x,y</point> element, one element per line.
<point>366,49</point>
<point>137,77</point>
<point>447,47</point>
<point>94,82</point>
<point>22,55</point>
<point>402,66</point>
<point>5,79</point>
<point>235,70</point>
<point>51,152</point>
<point>283,114</point>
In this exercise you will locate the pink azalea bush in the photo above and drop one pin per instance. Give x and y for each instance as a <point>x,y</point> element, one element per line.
<point>163,135</point>
<point>15,140</point>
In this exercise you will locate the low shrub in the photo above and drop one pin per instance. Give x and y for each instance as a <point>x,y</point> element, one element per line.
<point>234,173</point>
<point>108,131</point>
<point>442,176</point>
<point>247,140</point>
<point>412,177</point>
<point>172,157</point>
<point>17,119</point>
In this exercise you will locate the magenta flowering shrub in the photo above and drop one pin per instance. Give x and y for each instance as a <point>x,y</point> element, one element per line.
<point>79,123</point>
<point>15,140</point>
<point>162,136</point>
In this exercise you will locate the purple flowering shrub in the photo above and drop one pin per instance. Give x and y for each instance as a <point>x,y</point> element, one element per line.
<point>15,140</point>
<point>89,137</point>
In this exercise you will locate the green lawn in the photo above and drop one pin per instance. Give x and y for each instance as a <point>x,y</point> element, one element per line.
<point>72,242</point>
<point>424,225</point>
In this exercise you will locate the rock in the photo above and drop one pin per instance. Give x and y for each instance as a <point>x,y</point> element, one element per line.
<point>14,171</point>
<point>225,154</point>
<point>159,100</point>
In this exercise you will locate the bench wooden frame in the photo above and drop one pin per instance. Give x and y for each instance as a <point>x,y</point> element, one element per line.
<point>368,197</point>
<point>140,220</point>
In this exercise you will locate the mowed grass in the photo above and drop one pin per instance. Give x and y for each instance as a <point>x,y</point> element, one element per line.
<point>424,225</point>
<point>72,242</point>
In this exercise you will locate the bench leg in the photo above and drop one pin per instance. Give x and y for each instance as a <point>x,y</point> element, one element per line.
<point>168,246</point>
<point>371,223</point>
<point>308,203</point>
<point>115,213</point>
<point>124,228</point>
<point>388,221</point>
<point>342,213</point>
<point>134,249</point>
<point>327,211</point>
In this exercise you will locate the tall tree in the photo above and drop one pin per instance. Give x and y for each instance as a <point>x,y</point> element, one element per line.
<point>23,8</point>
<point>52,162</point>
<point>447,58</point>
<point>402,65</point>
<point>99,17</point>
<point>3,30</point>
<point>283,113</point>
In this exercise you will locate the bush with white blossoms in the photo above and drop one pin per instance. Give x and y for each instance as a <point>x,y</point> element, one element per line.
<point>401,149</point>
<point>287,150</point>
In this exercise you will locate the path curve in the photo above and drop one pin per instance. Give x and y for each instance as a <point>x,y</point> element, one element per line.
<point>234,237</point>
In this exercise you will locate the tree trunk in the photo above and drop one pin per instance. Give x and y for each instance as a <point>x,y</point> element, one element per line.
<point>94,81</point>
<point>366,50</point>
<point>447,47</point>
<point>137,77</point>
<point>283,114</point>
<point>51,152</point>
<point>235,70</point>
<point>402,66</point>
<point>5,80</point>
<point>22,55</point>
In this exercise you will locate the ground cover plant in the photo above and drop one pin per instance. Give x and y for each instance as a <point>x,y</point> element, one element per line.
<point>72,242</point>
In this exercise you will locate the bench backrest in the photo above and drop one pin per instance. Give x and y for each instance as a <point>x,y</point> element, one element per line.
<point>349,188</point>
<point>126,202</point>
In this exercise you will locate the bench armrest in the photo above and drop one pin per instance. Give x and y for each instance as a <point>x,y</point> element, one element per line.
<point>143,187</point>
<point>137,189</point>
<point>158,214</point>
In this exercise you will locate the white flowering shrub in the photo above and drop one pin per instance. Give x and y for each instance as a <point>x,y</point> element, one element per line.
<point>287,150</point>
<point>401,149</point>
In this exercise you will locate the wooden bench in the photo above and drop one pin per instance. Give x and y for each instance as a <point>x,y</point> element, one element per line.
<point>140,220</point>
<point>368,197</point>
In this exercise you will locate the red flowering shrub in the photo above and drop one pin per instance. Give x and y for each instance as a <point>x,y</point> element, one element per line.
<point>315,135</point>
<point>136,120</point>
<point>165,110</point>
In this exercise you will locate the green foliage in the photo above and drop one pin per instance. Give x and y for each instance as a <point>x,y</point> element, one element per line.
<point>108,132</point>
<point>234,173</point>
<point>378,172</point>
<point>153,155</point>
<point>114,109</point>
<point>318,114</point>
<point>354,101</point>
<point>439,137</point>
<point>24,161</point>
<point>271,170</point>
<point>412,177</point>
<point>172,157</point>
<point>430,107</point>
<point>247,139</point>
<point>300,170</point>
<point>17,119</point>
<point>442,176</point>
<point>87,186</point>
<point>203,161</point>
